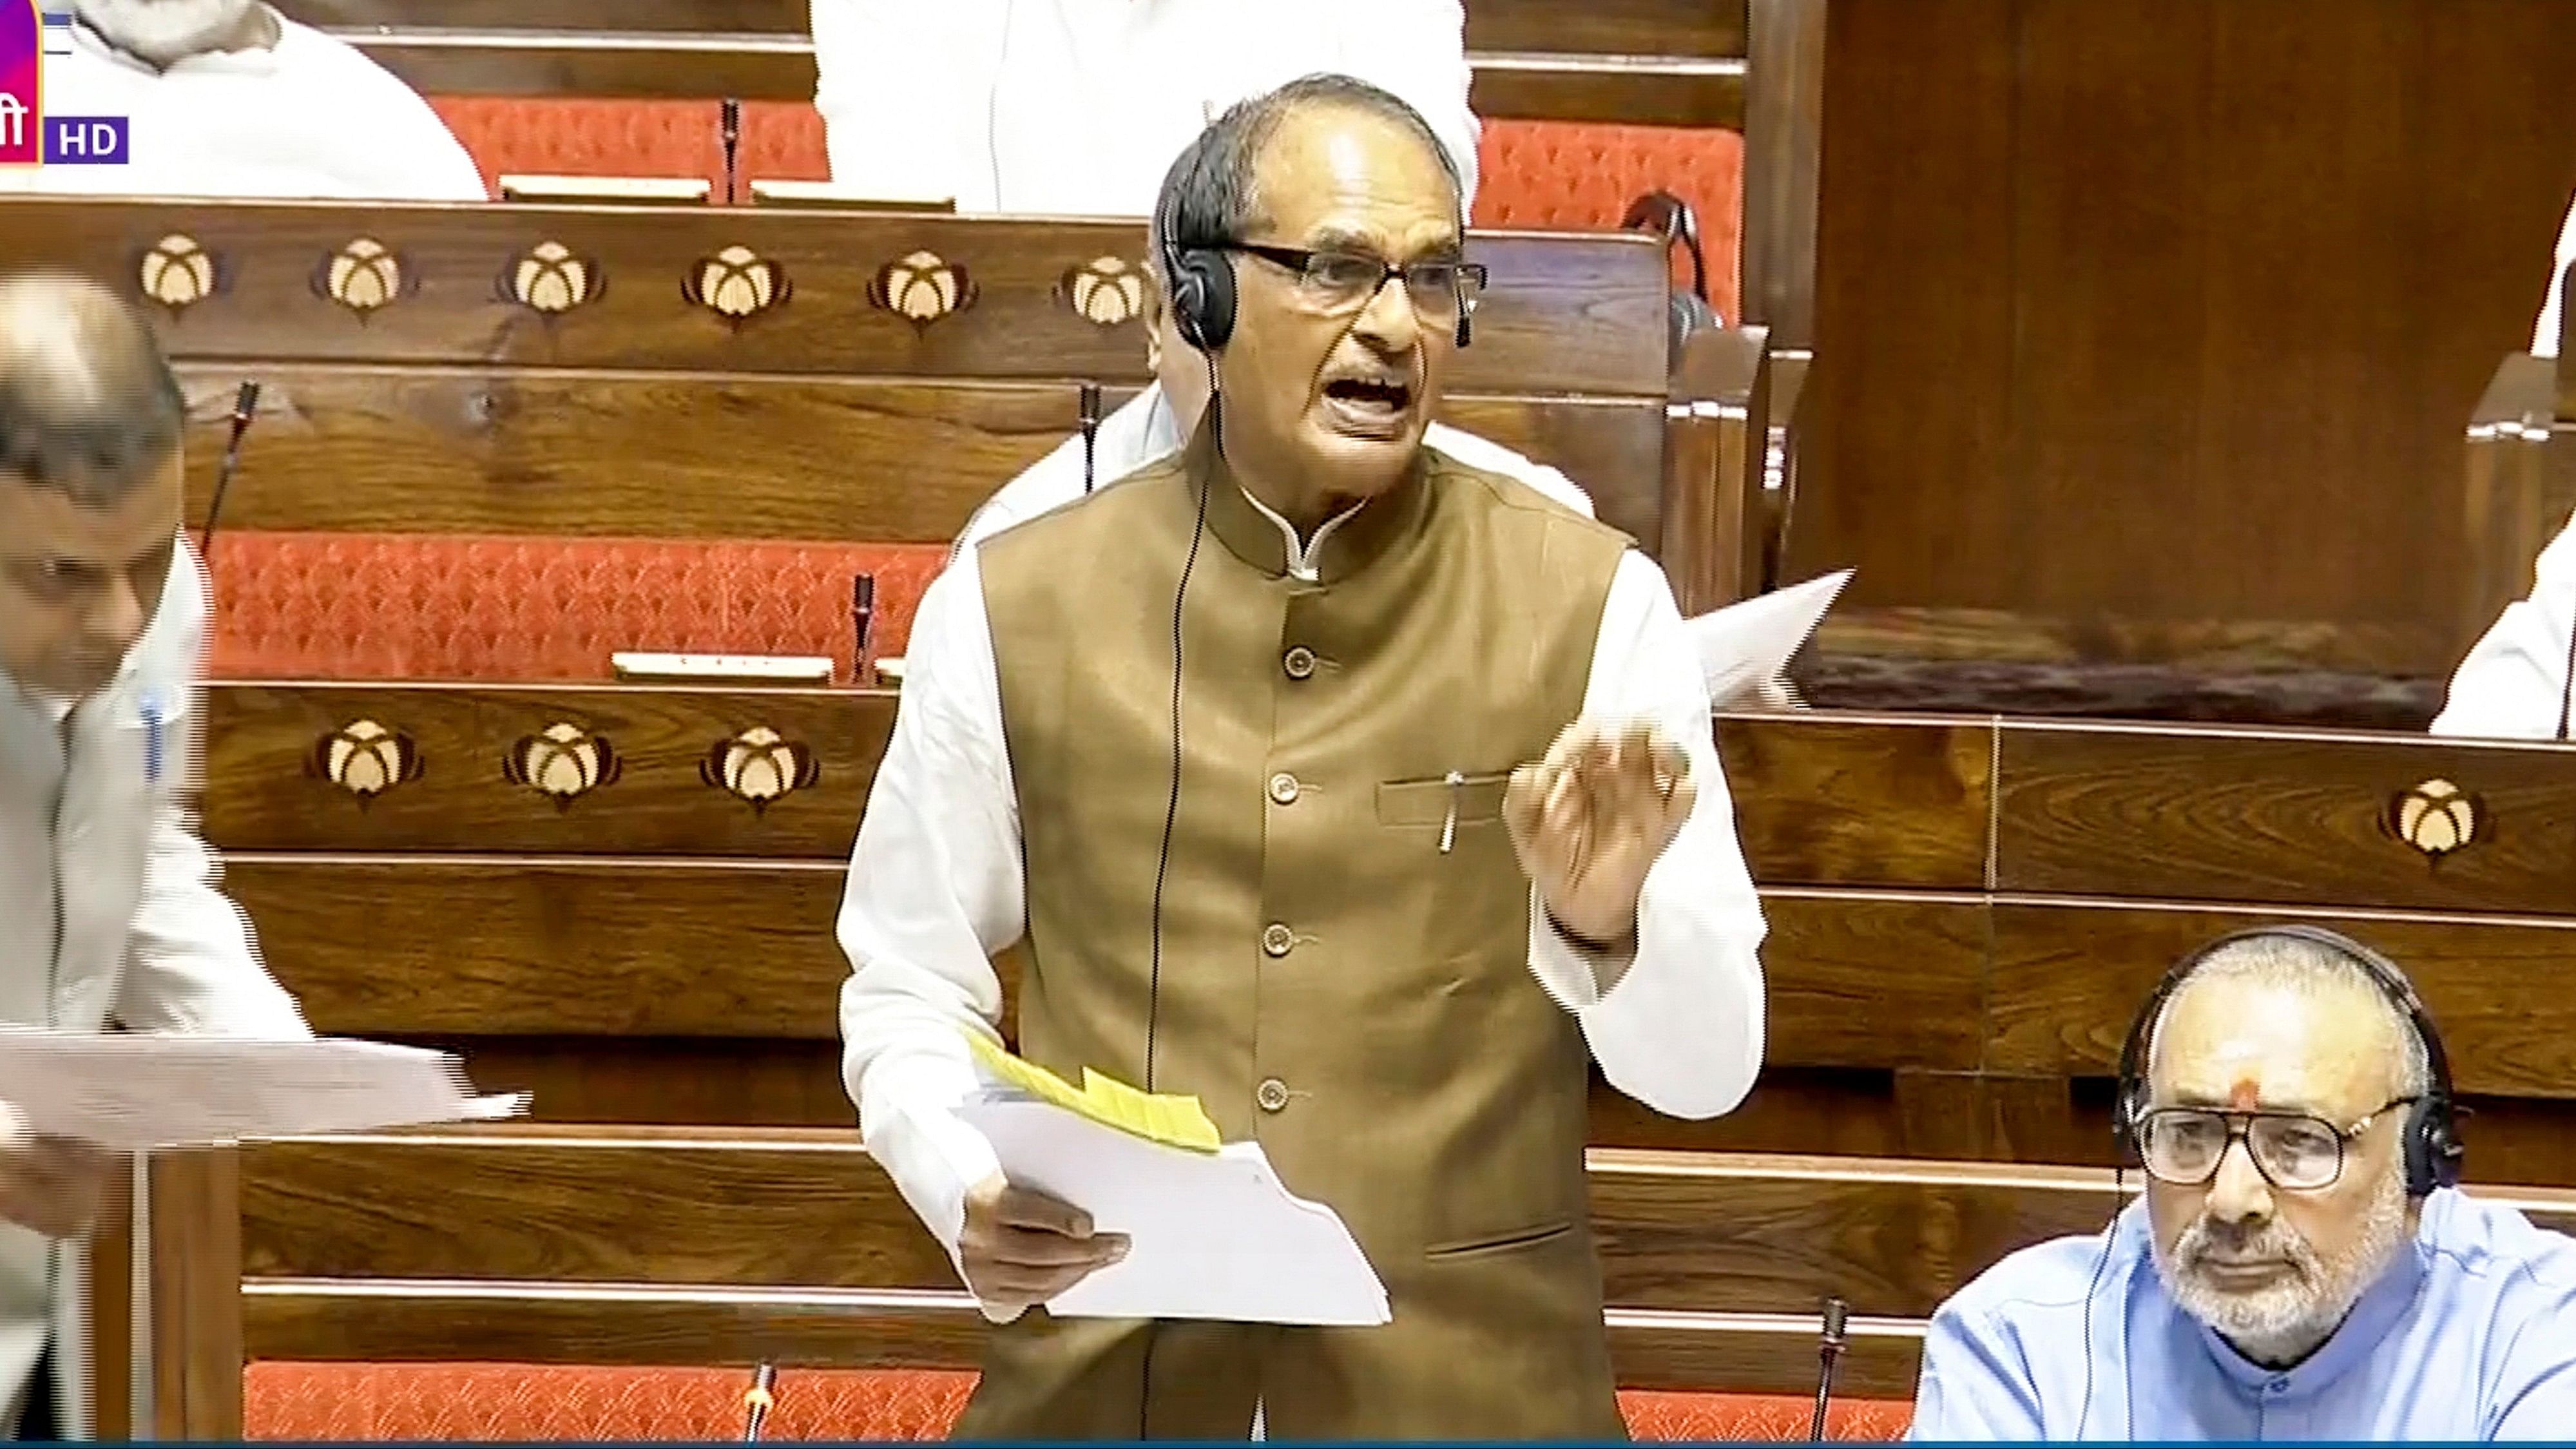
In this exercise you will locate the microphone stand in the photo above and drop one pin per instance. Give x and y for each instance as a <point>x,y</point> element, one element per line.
<point>245,408</point>
<point>756,1401</point>
<point>729,115</point>
<point>1829,1351</point>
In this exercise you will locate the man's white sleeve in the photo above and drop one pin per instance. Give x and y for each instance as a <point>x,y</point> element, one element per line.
<point>1681,1029</point>
<point>934,891</point>
<point>2513,683</point>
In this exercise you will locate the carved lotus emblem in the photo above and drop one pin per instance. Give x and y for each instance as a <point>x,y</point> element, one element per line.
<point>177,273</point>
<point>366,759</point>
<point>548,279</point>
<point>759,767</point>
<point>2436,817</point>
<point>564,761</point>
<point>736,284</point>
<point>922,288</point>
<point>1106,291</point>
<point>362,276</point>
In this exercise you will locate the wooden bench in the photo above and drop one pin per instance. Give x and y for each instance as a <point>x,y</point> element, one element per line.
<point>653,1246</point>
<point>1963,912</point>
<point>569,376</point>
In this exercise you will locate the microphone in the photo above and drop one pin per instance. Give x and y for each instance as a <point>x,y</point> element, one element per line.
<point>1829,1351</point>
<point>245,408</point>
<point>1090,431</point>
<point>863,618</point>
<point>729,112</point>
<point>756,1401</point>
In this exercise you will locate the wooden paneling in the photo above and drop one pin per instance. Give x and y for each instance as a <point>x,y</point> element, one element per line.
<point>532,946</point>
<point>579,453</point>
<point>594,946</point>
<point>267,753</point>
<point>2173,309</point>
<point>2068,976</point>
<point>1567,313</point>
<point>2288,818</point>
<point>1827,800</point>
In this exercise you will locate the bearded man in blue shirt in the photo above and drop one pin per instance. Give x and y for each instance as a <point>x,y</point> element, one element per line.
<point>2303,1265</point>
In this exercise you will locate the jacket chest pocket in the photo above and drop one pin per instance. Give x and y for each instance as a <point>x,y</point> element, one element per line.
<point>1445,805</point>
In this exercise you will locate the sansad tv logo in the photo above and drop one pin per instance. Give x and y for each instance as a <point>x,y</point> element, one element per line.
<point>28,136</point>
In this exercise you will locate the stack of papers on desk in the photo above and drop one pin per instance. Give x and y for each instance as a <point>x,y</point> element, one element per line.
<point>1212,1232</point>
<point>135,1093</point>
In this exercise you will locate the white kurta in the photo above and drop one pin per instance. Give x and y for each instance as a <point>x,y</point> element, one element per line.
<point>1077,107</point>
<point>935,890</point>
<point>109,910</point>
<point>311,119</point>
<point>2513,683</point>
<point>1144,430</point>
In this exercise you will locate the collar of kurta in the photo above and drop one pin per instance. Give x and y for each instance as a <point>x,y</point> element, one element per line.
<point>1344,546</point>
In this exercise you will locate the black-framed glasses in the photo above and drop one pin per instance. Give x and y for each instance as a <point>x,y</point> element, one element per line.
<point>2295,1152</point>
<point>1336,281</point>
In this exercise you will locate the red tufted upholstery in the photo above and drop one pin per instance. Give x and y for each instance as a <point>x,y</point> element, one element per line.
<point>376,606</point>
<point>321,1401</point>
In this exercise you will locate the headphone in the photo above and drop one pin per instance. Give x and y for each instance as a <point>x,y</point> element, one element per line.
<point>2434,1151</point>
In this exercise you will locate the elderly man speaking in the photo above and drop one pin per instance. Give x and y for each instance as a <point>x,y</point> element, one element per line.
<point>108,906</point>
<point>2303,1266</point>
<point>1358,792</point>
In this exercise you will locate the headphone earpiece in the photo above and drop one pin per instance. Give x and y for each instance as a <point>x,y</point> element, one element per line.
<point>2431,1146</point>
<point>1202,284</point>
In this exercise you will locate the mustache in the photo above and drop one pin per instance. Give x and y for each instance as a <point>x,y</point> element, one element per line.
<point>2209,1241</point>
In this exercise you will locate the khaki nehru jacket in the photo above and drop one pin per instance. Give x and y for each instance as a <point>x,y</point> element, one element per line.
<point>1344,931</point>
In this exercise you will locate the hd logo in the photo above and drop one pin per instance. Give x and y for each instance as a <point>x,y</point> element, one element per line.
<point>29,135</point>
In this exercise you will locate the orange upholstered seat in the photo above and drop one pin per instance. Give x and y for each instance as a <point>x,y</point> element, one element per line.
<point>416,1402</point>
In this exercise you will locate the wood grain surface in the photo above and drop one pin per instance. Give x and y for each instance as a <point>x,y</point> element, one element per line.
<point>528,946</point>
<point>2281,817</point>
<point>579,453</point>
<point>2068,975</point>
<point>267,790</point>
<point>1860,800</point>
<point>1567,313</point>
<point>697,947</point>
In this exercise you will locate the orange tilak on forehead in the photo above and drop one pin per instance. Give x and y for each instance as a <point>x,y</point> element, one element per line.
<point>2245,1095</point>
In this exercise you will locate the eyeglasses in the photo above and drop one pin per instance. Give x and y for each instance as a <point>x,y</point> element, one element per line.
<point>2295,1152</point>
<point>1340,281</point>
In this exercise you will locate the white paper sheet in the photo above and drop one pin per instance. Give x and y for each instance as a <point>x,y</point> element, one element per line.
<point>1745,646</point>
<point>136,1092</point>
<point>1210,1235</point>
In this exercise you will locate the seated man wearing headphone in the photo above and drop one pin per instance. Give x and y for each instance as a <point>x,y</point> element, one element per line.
<point>2304,1265</point>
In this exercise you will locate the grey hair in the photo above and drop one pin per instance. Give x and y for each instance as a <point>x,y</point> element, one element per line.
<point>88,405</point>
<point>2309,970</point>
<point>1209,195</point>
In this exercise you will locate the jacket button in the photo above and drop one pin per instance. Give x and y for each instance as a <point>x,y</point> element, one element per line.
<point>1283,788</point>
<point>1299,662</point>
<point>1277,939</point>
<point>1272,1094</point>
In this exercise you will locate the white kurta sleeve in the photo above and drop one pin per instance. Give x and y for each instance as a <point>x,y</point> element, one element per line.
<point>2513,683</point>
<point>1417,49</point>
<point>192,962</point>
<point>888,77</point>
<point>1681,1030</point>
<point>2544,330</point>
<point>934,891</point>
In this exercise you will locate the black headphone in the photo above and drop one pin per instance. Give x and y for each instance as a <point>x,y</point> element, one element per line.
<point>2434,1152</point>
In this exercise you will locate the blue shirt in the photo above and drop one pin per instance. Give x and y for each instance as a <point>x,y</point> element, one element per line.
<point>2471,1334</point>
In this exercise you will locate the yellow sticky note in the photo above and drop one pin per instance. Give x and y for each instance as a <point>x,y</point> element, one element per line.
<point>1174,1121</point>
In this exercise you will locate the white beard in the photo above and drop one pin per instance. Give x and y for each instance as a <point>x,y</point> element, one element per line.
<point>162,31</point>
<point>2287,1321</point>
